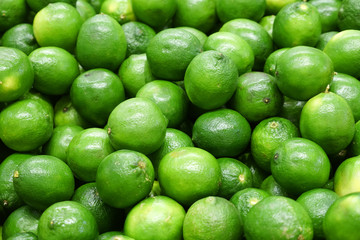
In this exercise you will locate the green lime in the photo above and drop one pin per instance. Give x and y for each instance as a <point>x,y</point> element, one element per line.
<point>342,218</point>
<point>223,133</point>
<point>329,185</point>
<point>25,125</point>
<point>58,25</point>
<point>327,119</point>
<point>58,144</point>
<point>354,147</point>
<point>13,12</point>
<point>67,220</point>
<point>155,13</point>
<point>54,70</point>
<point>101,50</point>
<point>114,235</point>
<point>134,73</point>
<point>297,24</point>
<point>303,72</point>
<point>96,4</point>
<point>9,200</point>
<point>188,174</point>
<point>232,9</point>
<point>212,218</point>
<point>174,139</point>
<point>348,17</point>
<point>271,61</point>
<point>272,187</point>
<point>53,179</point>
<point>36,5</point>
<point>257,97</point>
<point>210,80</point>
<point>85,9</point>
<point>267,136</point>
<point>169,97</point>
<point>274,6</point>
<point>197,14</point>
<point>280,218</point>
<point>137,124</point>
<point>299,165</point>
<point>16,74</point>
<point>347,87</point>
<point>23,219</point>
<point>247,198</point>
<point>291,110</point>
<point>328,10</point>
<point>66,114</point>
<point>255,35</point>
<point>120,10</point>
<point>343,49</point>
<point>124,178</point>
<point>267,23</point>
<point>258,175</point>
<point>347,177</point>
<point>235,176</point>
<point>95,93</point>
<point>317,202</point>
<point>86,151</point>
<point>107,218</point>
<point>23,236</point>
<point>234,47</point>
<point>181,47</point>
<point>324,39</point>
<point>21,37</point>
<point>138,36</point>
<point>157,217</point>
<point>197,33</point>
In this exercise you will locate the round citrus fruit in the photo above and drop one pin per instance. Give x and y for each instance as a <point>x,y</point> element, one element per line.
<point>232,9</point>
<point>267,23</point>
<point>274,6</point>
<point>223,132</point>
<point>188,174</point>
<point>271,61</point>
<point>348,16</point>
<point>354,148</point>
<point>85,9</point>
<point>137,124</point>
<point>124,178</point>
<point>291,110</point>
<point>272,187</point>
<point>36,5</point>
<point>157,217</point>
<point>120,10</point>
<point>197,33</point>
<point>347,177</point>
<point>328,11</point>
<point>13,12</point>
<point>212,218</point>
<point>324,39</point>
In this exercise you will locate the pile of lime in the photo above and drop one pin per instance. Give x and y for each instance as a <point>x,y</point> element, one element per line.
<point>179,119</point>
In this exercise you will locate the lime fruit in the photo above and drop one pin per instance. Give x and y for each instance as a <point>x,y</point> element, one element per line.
<point>86,151</point>
<point>233,46</point>
<point>328,10</point>
<point>271,61</point>
<point>258,175</point>
<point>106,48</point>
<point>138,36</point>
<point>267,23</point>
<point>58,25</point>
<point>54,70</point>
<point>25,125</point>
<point>342,218</point>
<point>23,235</point>
<point>274,6</point>
<point>120,10</point>
<point>169,97</point>
<point>347,177</point>
<point>137,124</point>
<point>16,74</point>
<point>212,218</point>
<point>343,49</point>
<point>36,5</point>
<point>317,202</point>
<point>95,93</point>
<point>299,165</point>
<point>235,176</point>
<point>348,17</point>
<point>327,119</point>
<point>124,178</point>
<point>85,9</point>
<point>21,37</point>
<point>114,235</point>
<point>13,12</point>
<point>291,110</point>
<point>354,147</point>
<point>223,133</point>
<point>313,70</point>
<point>278,218</point>
<point>267,136</point>
<point>324,39</point>
<point>297,24</point>
<point>257,96</point>
<point>181,47</point>
<point>157,217</point>
<point>272,187</point>
<point>210,80</point>
<point>197,14</point>
<point>232,9</point>
<point>188,174</point>
<point>67,220</point>
<point>197,33</point>
<point>53,179</point>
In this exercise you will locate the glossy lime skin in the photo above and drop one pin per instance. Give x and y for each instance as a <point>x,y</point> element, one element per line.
<point>257,96</point>
<point>324,39</point>
<point>279,218</point>
<point>13,13</point>
<point>299,165</point>
<point>228,10</point>
<point>271,61</point>
<point>346,179</point>
<point>95,93</point>
<point>328,10</point>
<point>66,114</point>
<point>68,220</point>
<point>272,187</point>
<point>303,72</point>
